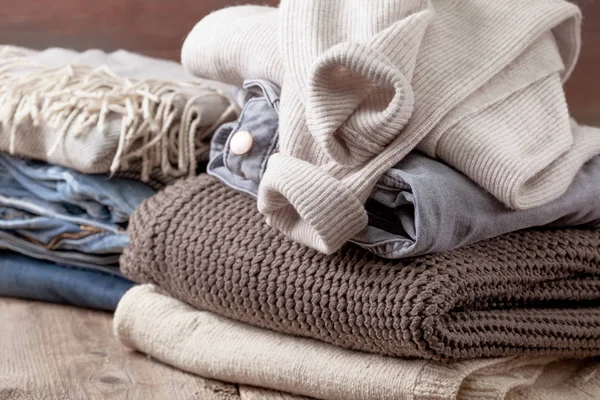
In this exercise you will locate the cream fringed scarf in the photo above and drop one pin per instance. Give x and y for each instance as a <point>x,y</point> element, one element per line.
<point>88,117</point>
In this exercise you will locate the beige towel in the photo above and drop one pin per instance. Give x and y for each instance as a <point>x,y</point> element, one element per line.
<point>484,78</point>
<point>219,348</point>
<point>96,112</point>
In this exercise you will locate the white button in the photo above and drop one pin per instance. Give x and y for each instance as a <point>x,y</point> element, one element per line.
<point>241,143</point>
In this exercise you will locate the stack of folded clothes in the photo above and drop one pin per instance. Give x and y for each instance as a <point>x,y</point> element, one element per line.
<point>403,209</point>
<point>501,318</point>
<point>84,139</point>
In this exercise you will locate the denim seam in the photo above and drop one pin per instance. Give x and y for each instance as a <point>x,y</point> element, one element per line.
<point>36,209</point>
<point>221,155</point>
<point>273,102</point>
<point>273,141</point>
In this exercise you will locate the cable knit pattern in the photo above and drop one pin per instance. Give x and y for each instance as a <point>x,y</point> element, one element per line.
<point>535,292</point>
<point>475,84</point>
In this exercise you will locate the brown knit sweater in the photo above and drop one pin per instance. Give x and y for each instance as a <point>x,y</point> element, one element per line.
<point>530,292</point>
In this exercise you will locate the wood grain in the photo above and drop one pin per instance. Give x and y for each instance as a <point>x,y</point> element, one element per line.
<point>158,28</point>
<point>51,352</point>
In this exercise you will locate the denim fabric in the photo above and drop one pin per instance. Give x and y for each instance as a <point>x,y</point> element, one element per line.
<point>27,278</point>
<point>423,206</point>
<point>52,213</point>
<point>260,117</point>
<point>420,206</point>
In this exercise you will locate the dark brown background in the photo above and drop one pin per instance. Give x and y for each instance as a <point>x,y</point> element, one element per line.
<point>158,27</point>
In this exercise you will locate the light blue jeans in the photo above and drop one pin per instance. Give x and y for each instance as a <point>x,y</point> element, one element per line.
<point>52,213</point>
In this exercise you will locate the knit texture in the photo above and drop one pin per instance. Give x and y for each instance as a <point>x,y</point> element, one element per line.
<point>219,348</point>
<point>534,292</point>
<point>474,84</point>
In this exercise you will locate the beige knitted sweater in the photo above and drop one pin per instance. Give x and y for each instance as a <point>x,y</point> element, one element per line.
<point>214,347</point>
<point>475,83</point>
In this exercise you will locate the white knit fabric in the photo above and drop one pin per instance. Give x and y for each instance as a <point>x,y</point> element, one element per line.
<point>346,95</point>
<point>477,84</point>
<point>215,347</point>
<point>229,38</point>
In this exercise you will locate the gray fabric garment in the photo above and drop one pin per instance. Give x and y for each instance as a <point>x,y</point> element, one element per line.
<point>420,206</point>
<point>260,117</point>
<point>423,206</point>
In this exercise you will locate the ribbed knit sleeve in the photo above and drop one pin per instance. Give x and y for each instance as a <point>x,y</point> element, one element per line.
<point>346,96</point>
<point>477,84</point>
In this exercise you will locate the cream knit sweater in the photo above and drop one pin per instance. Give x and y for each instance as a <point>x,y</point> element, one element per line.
<point>218,348</point>
<point>475,83</point>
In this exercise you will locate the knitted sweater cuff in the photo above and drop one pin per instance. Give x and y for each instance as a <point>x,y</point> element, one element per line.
<point>308,205</point>
<point>358,103</point>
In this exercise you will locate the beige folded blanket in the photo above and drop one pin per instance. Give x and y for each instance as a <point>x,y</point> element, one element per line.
<point>107,113</point>
<point>534,292</point>
<point>215,347</point>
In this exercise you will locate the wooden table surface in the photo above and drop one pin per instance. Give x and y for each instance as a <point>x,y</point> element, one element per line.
<point>54,352</point>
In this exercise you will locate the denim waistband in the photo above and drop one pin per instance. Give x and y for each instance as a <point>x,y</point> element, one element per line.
<point>260,118</point>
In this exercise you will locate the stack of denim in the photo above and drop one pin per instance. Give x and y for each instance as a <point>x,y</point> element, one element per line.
<point>62,232</point>
<point>89,120</point>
